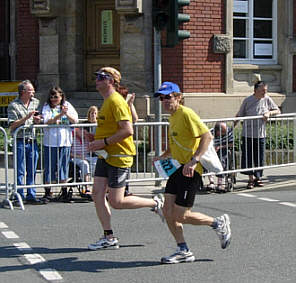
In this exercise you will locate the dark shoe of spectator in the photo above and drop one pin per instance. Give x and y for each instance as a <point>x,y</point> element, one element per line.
<point>48,195</point>
<point>258,183</point>
<point>64,195</point>
<point>250,185</point>
<point>16,203</point>
<point>220,188</point>
<point>210,186</point>
<point>35,201</point>
<point>86,193</point>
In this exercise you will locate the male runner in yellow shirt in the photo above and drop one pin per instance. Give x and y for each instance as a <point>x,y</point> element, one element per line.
<point>189,138</point>
<point>114,134</point>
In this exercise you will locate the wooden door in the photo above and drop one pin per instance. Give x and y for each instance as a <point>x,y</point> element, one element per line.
<point>102,38</point>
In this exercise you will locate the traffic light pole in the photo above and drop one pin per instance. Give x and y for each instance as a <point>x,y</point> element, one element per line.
<point>157,83</point>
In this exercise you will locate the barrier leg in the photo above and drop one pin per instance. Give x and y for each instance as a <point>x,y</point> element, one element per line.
<point>18,197</point>
<point>9,203</point>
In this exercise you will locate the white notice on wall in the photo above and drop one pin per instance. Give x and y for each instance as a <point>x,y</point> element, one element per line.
<point>240,6</point>
<point>263,49</point>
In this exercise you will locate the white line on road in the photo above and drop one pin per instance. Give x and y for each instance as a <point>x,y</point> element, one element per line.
<point>3,225</point>
<point>22,246</point>
<point>247,195</point>
<point>269,199</point>
<point>288,204</point>
<point>34,258</point>
<point>50,274</point>
<point>10,235</point>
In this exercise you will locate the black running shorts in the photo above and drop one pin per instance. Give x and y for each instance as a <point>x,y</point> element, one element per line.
<point>116,176</point>
<point>185,188</point>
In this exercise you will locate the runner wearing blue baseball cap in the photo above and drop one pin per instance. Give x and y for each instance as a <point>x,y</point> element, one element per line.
<point>189,138</point>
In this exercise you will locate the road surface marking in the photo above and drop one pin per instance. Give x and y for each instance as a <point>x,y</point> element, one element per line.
<point>10,235</point>
<point>288,204</point>
<point>34,258</point>
<point>269,199</point>
<point>247,195</point>
<point>22,246</point>
<point>3,225</point>
<point>50,274</point>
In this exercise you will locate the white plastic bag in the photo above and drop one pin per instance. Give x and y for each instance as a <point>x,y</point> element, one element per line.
<point>210,160</point>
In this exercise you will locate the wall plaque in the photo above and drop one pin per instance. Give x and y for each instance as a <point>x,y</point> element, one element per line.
<point>128,6</point>
<point>39,7</point>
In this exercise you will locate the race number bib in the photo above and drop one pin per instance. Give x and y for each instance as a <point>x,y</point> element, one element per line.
<point>166,167</point>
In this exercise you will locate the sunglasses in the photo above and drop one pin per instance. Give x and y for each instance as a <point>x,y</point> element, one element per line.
<point>54,96</point>
<point>101,77</point>
<point>162,98</point>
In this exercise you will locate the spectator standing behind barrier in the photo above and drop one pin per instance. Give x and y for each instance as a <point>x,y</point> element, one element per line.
<point>57,141</point>
<point>223,143</point>
<point>24,111</point>
<point>129,98</point>
<point>254,131</point>
<point>80,147</point>
<point>114,134</point>
<point>189,138</point>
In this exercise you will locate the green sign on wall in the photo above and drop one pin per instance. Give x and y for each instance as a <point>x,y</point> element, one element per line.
<point>106,27</point>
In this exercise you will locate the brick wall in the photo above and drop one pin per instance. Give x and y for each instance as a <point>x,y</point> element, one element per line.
<point>27,42</point>
<point>192,64</point>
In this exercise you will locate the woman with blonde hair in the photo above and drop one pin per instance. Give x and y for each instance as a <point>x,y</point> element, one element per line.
<point>80,152</point>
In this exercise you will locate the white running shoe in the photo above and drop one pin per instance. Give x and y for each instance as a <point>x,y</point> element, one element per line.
<point>179,256</point>
<point>223,230</point>
<point>159,199</point>
<point>104,243</point>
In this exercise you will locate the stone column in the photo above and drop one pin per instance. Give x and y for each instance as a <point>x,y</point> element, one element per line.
<point>47,11</point>
<point>48,54</point>
<point>136,50</point>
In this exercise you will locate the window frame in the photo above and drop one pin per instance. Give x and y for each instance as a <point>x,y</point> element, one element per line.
<point>249,18</point>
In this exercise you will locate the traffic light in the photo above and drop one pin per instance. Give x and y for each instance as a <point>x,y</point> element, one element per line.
<point>174,34</point>
<point>160,13</point>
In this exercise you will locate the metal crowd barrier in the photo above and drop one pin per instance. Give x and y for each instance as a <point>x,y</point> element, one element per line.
<point>280,149</point>
<point>5,187</point>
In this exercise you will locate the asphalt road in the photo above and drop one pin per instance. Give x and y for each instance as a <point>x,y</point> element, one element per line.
<point>262,248</point>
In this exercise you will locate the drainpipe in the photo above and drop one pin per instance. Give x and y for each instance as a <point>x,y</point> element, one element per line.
<point>12,43</point>
<point>157,83</point>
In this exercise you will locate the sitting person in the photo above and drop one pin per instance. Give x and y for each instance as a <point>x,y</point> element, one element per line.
<point>80,153</point>
<point>223,141</point>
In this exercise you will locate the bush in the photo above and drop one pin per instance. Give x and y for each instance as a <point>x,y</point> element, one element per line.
<point>278,136</point>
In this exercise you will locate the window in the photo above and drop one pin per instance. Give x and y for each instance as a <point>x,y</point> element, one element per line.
<point>254,31</point>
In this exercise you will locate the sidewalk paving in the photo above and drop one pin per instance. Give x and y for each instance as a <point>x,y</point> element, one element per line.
<point>272,178</point>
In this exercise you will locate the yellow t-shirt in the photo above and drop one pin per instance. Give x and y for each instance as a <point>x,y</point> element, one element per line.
<point>114,110</point>
<point>185,127</point>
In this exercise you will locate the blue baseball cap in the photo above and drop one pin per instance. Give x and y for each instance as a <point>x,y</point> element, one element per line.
<point>167,88</point>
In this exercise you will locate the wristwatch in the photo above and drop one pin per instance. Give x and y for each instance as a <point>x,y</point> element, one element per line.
<point>194,159</point>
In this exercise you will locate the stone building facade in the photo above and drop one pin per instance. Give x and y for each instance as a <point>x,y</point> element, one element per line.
<point>62,43</point>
